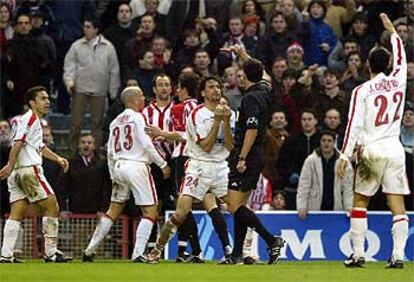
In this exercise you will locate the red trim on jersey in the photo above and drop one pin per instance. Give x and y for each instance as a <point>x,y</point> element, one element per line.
<point>395,72</point>
<point>151,180</point>
<point>145,118</point>
<point>42,183</point>
<point>399,56</point>
<point>108,216</point>
<point>154,221</point>
<point>358,213</point>
<point>193,114</point>
<point>348,128</point>
<point>399,220</point>
<point>29,124</point>
<point>150,114</point>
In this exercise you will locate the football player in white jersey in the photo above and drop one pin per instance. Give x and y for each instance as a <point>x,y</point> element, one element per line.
<point>130,151</point>
<point>188,83</point>
<point>209,141</point>
<point>374,123</point>
<point>26,181</point>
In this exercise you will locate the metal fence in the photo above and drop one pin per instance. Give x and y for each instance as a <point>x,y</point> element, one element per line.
<point>75,231</point>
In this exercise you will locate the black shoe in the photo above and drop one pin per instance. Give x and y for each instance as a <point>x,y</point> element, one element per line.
<point>11,260</point>
<point>249,260</point>
<point>352,262</point>
<point>274,250</point>
<point>229,259</point>
<point>58,257</point>
<point>197,259</point>
<point>183,258</point>
<point>140,259</point>
<point>395,263</point>
<point>86,258</point>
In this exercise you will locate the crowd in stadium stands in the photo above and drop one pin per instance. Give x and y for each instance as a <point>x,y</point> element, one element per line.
<point>87,51</point>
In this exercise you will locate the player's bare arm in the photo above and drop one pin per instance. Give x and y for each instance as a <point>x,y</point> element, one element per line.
<point>228,136</point>
<point>62,162</point>
<point>386,22</point>
<point>155,132</point>
<point>14,153</point>
<point>207,143</point>
<point>248,142</point>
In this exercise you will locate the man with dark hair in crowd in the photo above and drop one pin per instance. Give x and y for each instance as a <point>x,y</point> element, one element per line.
<point>359,30</point>
<point>337,58</point>
<point>145,73</point>
<point>331,96</point>
<point>87,182</point>
<point>279,65</point>
<point>121,32</point>
<point>276,41</point>
<point>231,89</point>
<point>294,152</point>
<point>319,187</point>
<point>202,62</point>
<point>91,71</point>
<point>332,122</point>
<point>48,49</point>
<point>159,19</point>
<point>247,159</point>
<point>142,41</point>
<point>24,65</point>
<point>276,135</point>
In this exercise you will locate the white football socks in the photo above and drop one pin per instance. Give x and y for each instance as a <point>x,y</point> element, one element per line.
<point>50,234</point>
<point>399,235</point>
<point>359,227</point>
<point>143,233</point>
<point>103,227</point>
<point>10,234</point>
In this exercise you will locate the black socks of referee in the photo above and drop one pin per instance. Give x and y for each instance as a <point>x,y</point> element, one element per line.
<point>249,219</point>
<point>188,231</point>
<point>240,231</point>
<point>220,226</point>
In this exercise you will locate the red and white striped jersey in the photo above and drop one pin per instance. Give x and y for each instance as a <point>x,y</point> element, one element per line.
<point>161,118</point>
<point>128,140</point>
<point>29,130</point>
<point>377,105</point>
<point>179,115</point>
<point>262,195</point>
<point>199,125</point>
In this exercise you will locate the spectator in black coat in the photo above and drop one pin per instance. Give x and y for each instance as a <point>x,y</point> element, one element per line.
<point>24,65</point>
<point>87,183</point>
<point>123,31</point>
<point>293,153</point>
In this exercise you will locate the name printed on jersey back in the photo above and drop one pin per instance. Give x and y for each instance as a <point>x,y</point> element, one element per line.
<point>384,85</point>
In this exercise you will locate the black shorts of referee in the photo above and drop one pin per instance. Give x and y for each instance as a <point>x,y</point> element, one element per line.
<point>246,181</point>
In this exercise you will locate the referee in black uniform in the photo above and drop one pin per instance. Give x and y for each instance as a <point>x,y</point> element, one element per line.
<point>247,159</point>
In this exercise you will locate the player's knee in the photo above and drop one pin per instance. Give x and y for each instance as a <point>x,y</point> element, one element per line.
<point>52,209</point>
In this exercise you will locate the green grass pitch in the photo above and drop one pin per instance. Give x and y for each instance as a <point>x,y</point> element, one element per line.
<point>124,271</point>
